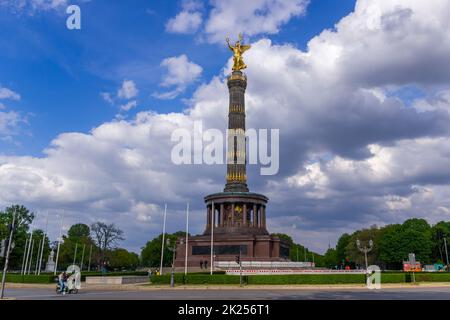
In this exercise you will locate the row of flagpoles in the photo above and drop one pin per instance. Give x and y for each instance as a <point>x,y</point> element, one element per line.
<point>187,239</point>
<point>29,245</point>
<point>29,249</point>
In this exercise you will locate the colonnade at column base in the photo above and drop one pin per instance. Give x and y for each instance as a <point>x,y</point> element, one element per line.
<point>236,212</point>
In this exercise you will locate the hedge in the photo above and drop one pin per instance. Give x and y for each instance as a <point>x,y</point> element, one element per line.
<point>220,278</point>
<point>296,279</point>
<point>432,277</point>
<point>165,279</point>
<point>18,278</point>
<point>393,278</point>
<point>180,278</point>
<point>49,277</point>
<point>307,279</point>
<point>261,279</point>
<point>215,279</point>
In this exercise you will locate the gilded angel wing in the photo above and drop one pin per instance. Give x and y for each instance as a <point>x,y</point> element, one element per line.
<point>245,47</point>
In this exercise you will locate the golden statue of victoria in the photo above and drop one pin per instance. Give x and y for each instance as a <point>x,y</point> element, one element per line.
<point>238,51</point>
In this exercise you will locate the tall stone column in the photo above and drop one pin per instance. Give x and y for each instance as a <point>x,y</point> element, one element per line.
<point>254,216</point>
<point>244,213</point>
<point>236,156</point>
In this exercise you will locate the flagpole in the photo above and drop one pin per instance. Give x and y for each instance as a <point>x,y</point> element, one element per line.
<point>163,237</point>
<point>43,244</point>
<point>89,263</point>
<point>29,245</point>
<point>212,235</point>
<point>59,243</point>
<point>8,251</point>
<point>27,249</point>
<point>75,255</point>
<point>82,257</point>
<point>37,256</point>
<point>24,256</point>
<point>187,240</point>
<point>31,256</point>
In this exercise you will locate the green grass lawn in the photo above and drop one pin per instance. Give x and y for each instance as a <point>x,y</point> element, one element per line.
<point>180,278</point>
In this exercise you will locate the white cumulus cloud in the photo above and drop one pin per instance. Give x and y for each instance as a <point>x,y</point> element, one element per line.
<point>179,75</point>
<point>188,20</point>
<point>128,90</point>
<point>6,93</point>
<point>128,106</point>
<point>184,22</point>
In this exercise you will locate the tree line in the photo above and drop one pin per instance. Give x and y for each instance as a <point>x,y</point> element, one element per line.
<point>392,245</point>
<point>96,246</point>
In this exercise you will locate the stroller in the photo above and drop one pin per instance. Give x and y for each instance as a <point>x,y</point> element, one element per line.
<point>73,283</point>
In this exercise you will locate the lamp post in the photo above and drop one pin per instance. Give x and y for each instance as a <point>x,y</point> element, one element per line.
<point>365,249</point>
<point>8,247</point>
<point>446,253</point>
<point>172,273</point>
<point>240,266</point>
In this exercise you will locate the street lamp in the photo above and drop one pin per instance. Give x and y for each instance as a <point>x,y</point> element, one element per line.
<point>365,249</point>
<point>172,273</point>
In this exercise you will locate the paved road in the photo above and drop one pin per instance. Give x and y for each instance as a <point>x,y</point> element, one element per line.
<point>439,293</point>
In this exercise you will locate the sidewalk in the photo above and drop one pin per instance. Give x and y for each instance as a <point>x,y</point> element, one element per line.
<point>148,287</point>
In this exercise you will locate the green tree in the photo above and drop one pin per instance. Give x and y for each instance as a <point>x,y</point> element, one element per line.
<point>397,241</point>
<point>284,237</point>
<point>79,231</point>
<point>391,253</point>
<point>105,237</point>
<point>354,255</point>
<point>76,241</point>
<point>120,259</point>
<point>151,252</point>
<point>341,248</point>
<point>417,238</point>
<point>298,252</point>
<point>440,231</point>
<point>330,259</point>
<point>24,218</point>
<point>35,253</point>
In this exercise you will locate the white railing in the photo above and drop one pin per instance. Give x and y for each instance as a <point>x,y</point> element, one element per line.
<point>263,264</point>
<point>275,271</point>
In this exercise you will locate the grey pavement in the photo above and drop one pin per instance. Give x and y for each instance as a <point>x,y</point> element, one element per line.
<point>418,293</point>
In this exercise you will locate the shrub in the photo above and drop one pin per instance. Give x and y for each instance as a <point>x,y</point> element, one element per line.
<point>393,278</point>
<point>18,278</point>
<point>50,278</point>
<point>196,278</point>
<point>432,277</point>
<point>307,279</point>
<point>165,279</point>
<point>208,279</point>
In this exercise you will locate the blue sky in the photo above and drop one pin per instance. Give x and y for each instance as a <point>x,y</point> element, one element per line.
<point>360,90</point>
<point>60,73</point>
